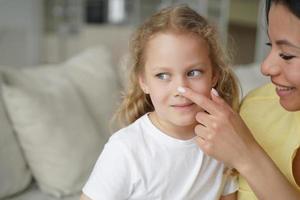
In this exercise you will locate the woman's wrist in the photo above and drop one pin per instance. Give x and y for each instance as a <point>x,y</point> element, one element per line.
<point>260,171</point>
<point>254,158</point>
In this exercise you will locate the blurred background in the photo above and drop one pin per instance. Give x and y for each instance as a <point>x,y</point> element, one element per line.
<point>56,114</point>
<point>34,32</point>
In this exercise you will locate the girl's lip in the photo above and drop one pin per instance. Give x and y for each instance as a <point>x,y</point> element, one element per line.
<point>183,105</point>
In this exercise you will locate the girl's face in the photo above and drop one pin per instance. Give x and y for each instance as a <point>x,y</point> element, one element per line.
<point>283,62</point>
<point>173,60</point>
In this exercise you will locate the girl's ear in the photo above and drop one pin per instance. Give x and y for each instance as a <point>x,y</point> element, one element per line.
<point>215,78</point>
<point>143,84</point>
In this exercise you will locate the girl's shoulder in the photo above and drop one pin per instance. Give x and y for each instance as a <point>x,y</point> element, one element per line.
<point>130,134</point>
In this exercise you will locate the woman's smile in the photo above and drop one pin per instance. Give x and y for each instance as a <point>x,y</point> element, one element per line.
<point>284,90</point>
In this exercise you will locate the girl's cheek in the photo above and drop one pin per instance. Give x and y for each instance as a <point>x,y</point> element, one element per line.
<point>202,88</point>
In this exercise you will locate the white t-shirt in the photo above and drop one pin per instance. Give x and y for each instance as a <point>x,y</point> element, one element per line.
<point>140,162</point>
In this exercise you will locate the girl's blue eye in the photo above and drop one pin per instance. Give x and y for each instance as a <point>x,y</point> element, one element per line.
<point>163,76</point>
<point>194,73</point>
<point>286,57</point>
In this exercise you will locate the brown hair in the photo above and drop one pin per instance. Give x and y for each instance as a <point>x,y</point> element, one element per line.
<point>180,19</point>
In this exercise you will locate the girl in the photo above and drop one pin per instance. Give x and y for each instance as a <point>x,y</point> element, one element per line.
<point>270,167</point>
<point>155,156</point>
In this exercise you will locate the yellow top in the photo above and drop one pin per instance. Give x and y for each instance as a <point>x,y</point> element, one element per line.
<point>275,129</point>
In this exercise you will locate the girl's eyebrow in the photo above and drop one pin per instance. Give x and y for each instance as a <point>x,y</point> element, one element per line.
<point>161,68</point>
<point>191,66</point>
<point>199,64</point>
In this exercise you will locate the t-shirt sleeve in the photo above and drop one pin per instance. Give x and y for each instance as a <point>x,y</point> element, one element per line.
<point>111,176</point>
<point>231,185</point>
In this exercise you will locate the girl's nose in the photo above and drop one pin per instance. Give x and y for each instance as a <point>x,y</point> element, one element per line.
<point>181,81</point>
<point>271,65</point>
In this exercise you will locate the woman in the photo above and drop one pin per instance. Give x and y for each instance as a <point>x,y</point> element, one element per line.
<point>269,162</point>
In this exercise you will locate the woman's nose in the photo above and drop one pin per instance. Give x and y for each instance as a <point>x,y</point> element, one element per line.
<point>271,65</point>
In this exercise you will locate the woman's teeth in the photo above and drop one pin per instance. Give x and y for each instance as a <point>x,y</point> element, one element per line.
<point>283,88</point>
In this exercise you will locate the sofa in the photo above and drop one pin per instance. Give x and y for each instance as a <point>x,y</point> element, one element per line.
<point>54,121</point>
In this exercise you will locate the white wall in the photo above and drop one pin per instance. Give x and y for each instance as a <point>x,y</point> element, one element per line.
<point>20,32</point>
<point>261,49</point>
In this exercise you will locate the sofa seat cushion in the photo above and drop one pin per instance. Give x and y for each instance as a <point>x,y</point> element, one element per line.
<point>33,193</point>
<point>13,168</point>
<point>58,133</point>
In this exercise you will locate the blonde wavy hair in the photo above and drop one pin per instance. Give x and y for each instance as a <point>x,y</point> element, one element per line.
<point>178,19</point>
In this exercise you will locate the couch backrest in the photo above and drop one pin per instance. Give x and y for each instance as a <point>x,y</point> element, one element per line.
<point>14,173</point>
<point>60,114</point>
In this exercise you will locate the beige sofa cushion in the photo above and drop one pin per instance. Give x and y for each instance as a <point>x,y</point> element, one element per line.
<point>14,173</point>
<point>98,84</point>
<point>57,131</point>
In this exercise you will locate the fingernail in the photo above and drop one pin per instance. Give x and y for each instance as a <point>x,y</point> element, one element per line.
<point>214,91</point>
<point>181,90</point>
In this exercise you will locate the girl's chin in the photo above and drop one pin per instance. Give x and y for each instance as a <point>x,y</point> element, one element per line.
<point>190,124</point>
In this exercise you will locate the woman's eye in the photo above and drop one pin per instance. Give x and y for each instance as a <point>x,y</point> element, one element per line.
<point>269,44</point>
<point>286,56</point>
<point>194,73</point>
<point>163,76</point>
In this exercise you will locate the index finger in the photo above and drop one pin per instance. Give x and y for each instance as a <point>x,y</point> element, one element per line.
<point>201,100</point>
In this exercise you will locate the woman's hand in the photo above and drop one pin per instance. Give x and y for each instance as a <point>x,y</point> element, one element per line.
<point>223,135</point>
<point>221,132</point>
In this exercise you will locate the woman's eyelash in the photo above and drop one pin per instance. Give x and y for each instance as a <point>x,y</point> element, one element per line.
<point>282,55</point>
<point>286,57</point>
<point>269,44</point>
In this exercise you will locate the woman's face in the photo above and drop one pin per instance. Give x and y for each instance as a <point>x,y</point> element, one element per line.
<point>283,62</point>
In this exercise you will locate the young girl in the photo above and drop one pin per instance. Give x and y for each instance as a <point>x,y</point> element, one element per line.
<point>156,156</point>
